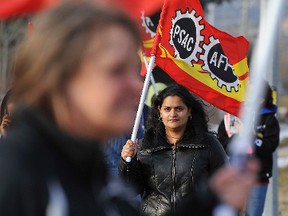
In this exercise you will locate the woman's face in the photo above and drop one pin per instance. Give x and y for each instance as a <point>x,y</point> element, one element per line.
<point>174,113</point>
<point>102,96</point>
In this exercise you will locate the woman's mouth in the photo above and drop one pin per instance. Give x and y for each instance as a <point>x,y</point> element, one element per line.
<point>173,120</point>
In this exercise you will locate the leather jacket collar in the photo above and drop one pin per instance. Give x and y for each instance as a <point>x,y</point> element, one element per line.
<point>155,141</point>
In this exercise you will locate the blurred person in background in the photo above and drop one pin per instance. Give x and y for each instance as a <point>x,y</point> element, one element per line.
<point>5,113</point>
<point>267,134</point>
<point>266,141</point>
<point>76,84</point>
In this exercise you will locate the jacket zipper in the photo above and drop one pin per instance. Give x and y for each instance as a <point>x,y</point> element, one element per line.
<point>173,198</point>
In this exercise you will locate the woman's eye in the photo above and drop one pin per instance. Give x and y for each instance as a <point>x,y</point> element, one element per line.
<point>167,109</point>
<point>179,108</point>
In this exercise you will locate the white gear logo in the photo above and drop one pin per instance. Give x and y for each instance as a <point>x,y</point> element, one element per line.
<point>221,79</point>
<point>187,41</point>
<point>145,22</point>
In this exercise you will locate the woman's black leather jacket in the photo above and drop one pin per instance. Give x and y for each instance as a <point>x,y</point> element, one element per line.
<point>165,175</point>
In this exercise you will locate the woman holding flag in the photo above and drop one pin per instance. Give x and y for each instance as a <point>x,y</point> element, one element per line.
<point>176,156</point>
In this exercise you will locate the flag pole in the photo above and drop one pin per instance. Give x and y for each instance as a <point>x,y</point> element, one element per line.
<point>147,77</point>
<point>249,114</point>
<point>152,77</point>
<point>142,101</point>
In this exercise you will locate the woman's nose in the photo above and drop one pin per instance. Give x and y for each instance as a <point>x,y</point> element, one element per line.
<point>173,112</point>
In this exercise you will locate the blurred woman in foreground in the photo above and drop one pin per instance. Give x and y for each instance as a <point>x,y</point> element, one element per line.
<point>76,84</point>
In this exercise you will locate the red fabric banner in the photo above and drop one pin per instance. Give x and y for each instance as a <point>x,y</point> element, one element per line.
<point>16,8</point>
<point>209,62</point>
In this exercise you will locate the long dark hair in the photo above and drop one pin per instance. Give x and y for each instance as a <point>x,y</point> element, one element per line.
<point>198,123</point>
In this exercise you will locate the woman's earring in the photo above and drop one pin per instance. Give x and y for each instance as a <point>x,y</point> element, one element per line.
<point>190,117</point>
<point>160,118</point>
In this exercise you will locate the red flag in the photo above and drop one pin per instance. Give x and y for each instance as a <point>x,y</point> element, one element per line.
<point>148,26</point>
<point>14,8</point>
<point>209,62</point>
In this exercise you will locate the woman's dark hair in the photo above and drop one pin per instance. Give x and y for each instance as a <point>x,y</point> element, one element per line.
<point>198,123</point>
<point>4,105</point>
<point>268,96</point>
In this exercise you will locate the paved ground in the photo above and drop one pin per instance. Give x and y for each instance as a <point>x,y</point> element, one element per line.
<point>283,150</point>
<point>283,191</point>
<point>283,171</point>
